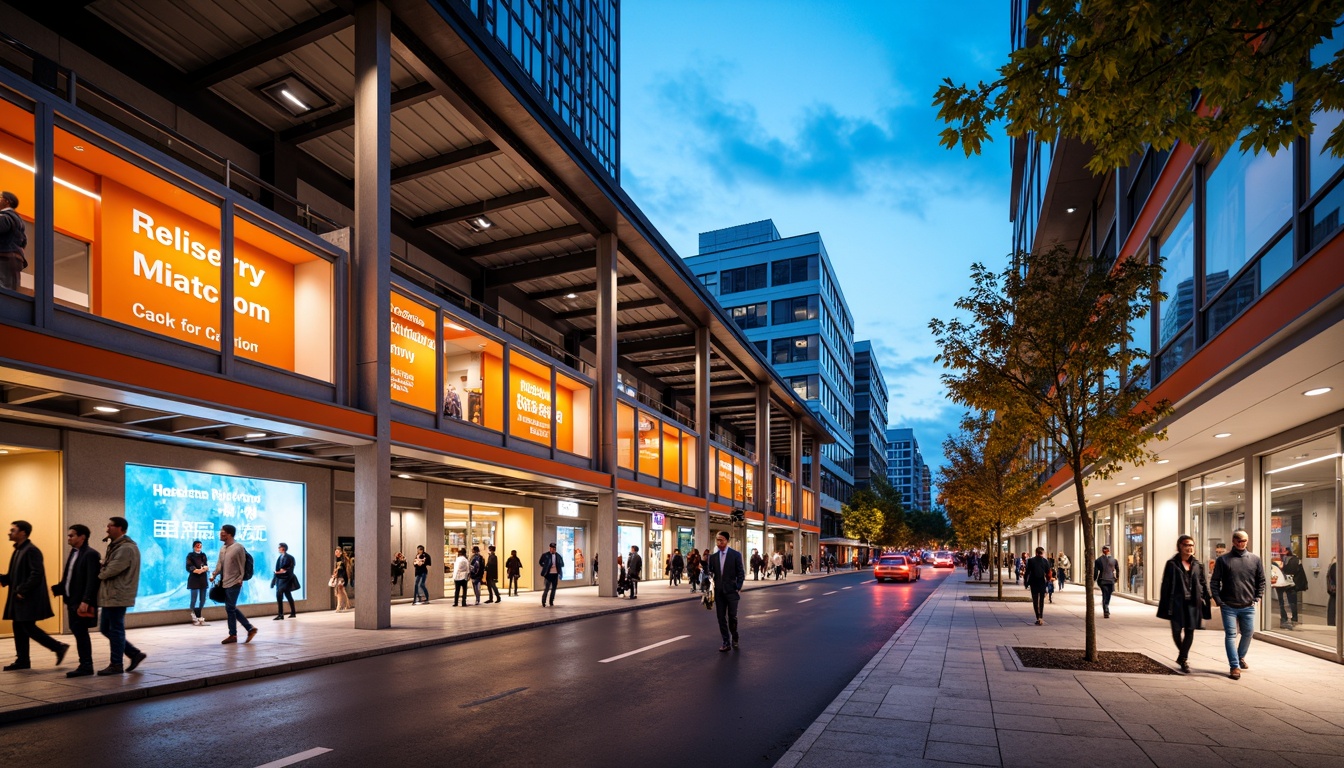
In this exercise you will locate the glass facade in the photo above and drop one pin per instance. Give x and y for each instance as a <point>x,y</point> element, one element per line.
<point>1133,519</point>
<point>1300,545</point>
<point>1215,506</point>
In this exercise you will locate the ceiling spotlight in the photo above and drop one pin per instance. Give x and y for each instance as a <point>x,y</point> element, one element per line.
<point>404,477</point>
<point>106,409</point>
<point>1317,391</point>
<point>479,223</point>
<point>1070,210</point>
<point>571,295</point>
<point>1221,435</point>
<point>254,435</point>
<point>1096,495</point>
<point>1164,461</point>
<point>454,326</point>
<point>1120,483</point>
<point>1136,477</point>
<point>294,96</point>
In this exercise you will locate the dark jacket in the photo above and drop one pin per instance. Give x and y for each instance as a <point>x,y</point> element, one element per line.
<point>197,580</point>
<point>289,580</point>
<point>1106,569</point>
<point>83,582</point>
<point>27,598</point>
<point>678,564</point>
<point>545,563</point>
<point>492,568</point>
<point>1238,579</point>
<point>634,565</point>
<point>1037,573</point>
<point>513,566</point>
<point>1171,603</point>
<point>1292,566</point>
<point>421,567</point>
<point>730,580</point>
<point>12,233</point>
<point>477,565</point>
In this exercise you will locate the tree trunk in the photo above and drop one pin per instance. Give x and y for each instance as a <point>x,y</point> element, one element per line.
<point>998,553</point>
<point>1089,559</point>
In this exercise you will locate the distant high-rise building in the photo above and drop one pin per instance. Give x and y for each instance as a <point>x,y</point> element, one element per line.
<point>870,416</point>
<point>906,470</point>
<point>782,293</point>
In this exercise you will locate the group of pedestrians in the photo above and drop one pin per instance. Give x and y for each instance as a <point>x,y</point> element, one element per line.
<point>90,583</point>
<point>477,570</point>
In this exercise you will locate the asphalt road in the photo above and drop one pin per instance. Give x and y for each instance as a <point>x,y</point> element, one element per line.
<point>551,696</point>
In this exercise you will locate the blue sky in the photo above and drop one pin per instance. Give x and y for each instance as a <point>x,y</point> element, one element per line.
<point>818,115</point>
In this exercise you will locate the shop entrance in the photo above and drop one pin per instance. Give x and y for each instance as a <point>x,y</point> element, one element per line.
<point>467,525</point>
<point>31,480</point>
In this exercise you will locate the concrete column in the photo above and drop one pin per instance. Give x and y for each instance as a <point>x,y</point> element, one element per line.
<point>604,541</point>
<point>796,468</point>
<point>372,257</point>
<point>703,468</point>
<point>765,484</point>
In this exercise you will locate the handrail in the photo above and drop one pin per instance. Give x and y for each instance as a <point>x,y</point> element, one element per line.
<point>724,442</point>
<point>226,169</point>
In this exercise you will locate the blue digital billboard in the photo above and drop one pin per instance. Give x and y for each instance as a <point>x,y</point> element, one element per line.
<point>167,509</point>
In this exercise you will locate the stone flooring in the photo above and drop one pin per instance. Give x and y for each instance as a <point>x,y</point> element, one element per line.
<point>946,690</point>
<point>183,656</point>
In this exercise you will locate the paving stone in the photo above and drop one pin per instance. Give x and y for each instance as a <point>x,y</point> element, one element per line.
<point>965,754</point>
<point>1165,755</point>
<point>963,734</point>
<point>963,717</point>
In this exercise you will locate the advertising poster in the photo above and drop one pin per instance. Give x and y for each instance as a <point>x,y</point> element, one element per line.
<point>414,353</point>
<point>167,509</point>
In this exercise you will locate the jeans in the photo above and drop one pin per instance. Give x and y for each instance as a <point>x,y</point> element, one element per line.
<point>552,581</point>
<point>231,610</point>
<point>1287,604</point>
<point>1107,587</point>
<point>83,645</point>
<point>475,587</point>
<point>420,588</point>
<point>113,626</point>
<point>197,600</point>
<point>1234,620</point>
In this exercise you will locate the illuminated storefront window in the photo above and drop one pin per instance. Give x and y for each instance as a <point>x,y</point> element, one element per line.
<point>1132,517</point>
<point>1216,506</point>
<point>1302,547</point>
<point>413,352</point>
<point>16,169</point>
<point>625,436</point>
<point>473,373</point>
<point>288,287</point>
<point>733,476</point>
<point>649,447</point>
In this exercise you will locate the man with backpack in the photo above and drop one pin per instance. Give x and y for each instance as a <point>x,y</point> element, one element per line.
<point>233,567</point>
<point>13,239</point>
<point>476,571</point>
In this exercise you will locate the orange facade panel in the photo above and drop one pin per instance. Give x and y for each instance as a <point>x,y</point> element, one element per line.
<point>451,445</point>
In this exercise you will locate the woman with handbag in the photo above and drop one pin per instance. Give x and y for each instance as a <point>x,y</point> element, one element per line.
<point>1185,598</point>
<point>340,575</point>
<point>1062,569</point>
<point>198,566</point>
<point>1288,579</point>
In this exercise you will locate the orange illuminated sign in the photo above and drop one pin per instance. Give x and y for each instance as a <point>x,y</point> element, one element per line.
<point>413,360</point>
<point>531,407</point>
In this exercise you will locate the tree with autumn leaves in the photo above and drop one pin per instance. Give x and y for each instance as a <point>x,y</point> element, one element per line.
<point>1047,349</point>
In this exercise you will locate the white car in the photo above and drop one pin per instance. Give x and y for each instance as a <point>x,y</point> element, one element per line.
<point>942,560</point>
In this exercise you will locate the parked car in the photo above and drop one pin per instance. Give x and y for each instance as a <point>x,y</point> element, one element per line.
<point>896,568</point>
<point>942,560</point>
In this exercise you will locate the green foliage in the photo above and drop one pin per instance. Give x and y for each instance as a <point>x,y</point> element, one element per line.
<point>989,482</point>
<point>1122,74</point>
<point>879,515</point>
<point>864,523</point>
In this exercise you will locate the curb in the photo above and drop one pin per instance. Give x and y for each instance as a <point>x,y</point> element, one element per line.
<point>280,668</point>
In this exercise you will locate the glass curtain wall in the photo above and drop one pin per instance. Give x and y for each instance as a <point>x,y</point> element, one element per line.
<point>1216,506</point>
<point>1300,547</point>
<point>1130,514</point>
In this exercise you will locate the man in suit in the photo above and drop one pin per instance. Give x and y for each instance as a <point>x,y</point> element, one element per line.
<point>634,565</point>
<point>27,602</point>
<point>552,565</point>
<point>726,567</point>
<point>284,582</point>
<point>1038,575</point>
<point>79,588</point>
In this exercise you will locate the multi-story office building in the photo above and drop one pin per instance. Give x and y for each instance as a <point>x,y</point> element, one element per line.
<point>782,293</point>
<point>870,416</point>
<point>1246,343</point>
<point>349,279</point>
<point>906,470</point>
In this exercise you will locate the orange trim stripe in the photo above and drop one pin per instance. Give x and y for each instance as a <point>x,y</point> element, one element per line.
<point>452,445</point>
<point>674,497</point>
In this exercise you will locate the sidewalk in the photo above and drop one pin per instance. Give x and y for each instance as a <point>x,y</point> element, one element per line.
<point>946,690</point>
<point>182,657</point>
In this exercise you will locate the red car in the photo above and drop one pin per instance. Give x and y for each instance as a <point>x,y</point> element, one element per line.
<point>896,568</point>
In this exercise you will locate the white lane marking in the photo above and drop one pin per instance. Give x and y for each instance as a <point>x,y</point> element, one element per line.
<point>832,592</point>
<point>846,587</point>
<point>307,754</point>
<point>756,616</point>
<point>645,648</point>
<point>773,610</point>
<point>806,600</point>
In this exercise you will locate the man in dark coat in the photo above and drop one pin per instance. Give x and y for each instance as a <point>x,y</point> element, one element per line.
<point>634,568</point>
<point>27,603</point>
<point>1038,576</point>
<point>79,588</point>
<point>552,567</point>
<point>725,565</point>
<point>284,582</point>
<point>492,576</point>
<point>1184,598</point>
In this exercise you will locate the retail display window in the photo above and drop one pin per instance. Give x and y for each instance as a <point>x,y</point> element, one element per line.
<point>809,506</point>
<point>16,168</point>
<point>652,447</point>
<point>783,489</point>
<point>733,477</point>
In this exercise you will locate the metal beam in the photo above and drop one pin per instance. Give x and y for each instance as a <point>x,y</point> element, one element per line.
<point>447,161</point>
<point>557,293</point>
<point>480,208</point>
<point>541,268</point>
<point>652,325</point>
<point>675,341</point>
<point>525,241</point>
<point>320,26</point>
<point>592,311</point>
<point>345,117</point>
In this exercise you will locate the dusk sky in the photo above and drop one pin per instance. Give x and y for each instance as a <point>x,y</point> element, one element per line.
<point>818,115</point>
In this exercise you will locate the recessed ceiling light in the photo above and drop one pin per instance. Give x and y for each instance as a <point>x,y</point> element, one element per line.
<point>294,96</point>
<point>1070,210</point>
<point>404,477</point>
<point>455,326</point>
<point>1096,495</point>
<point>1120,483</point>
<point>1221,435</point>
<point>1317,391</point>
<point>254,435</point>
<point>571,295</point>
<point>106,409</point>
<point>479,223</point>
<point>1164,461</point>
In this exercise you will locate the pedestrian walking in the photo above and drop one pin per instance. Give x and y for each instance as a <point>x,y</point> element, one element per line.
<point>476,572</point>
<point>514,568</point>
<point>231,570</point>
<point>420,594</point>
<point>398,569</point>
<point>119,583</point>
<point>1288,579</point>
<point>79,589</point>
<point>27,601</point>
<point>726,568</point>
<point>678,566</point>
<point>634,568</point>
<point>198,581</point>
<point>777,564</point>
<point>340,576</point>
<point>693,569</point>
<point>1238,585</point>
<point>284,582</point>
<point>461,572</point>
<point>1050,587</point>
<point>1106,571</point>
<point>1062,566</point>
<point>757,562</point>
<point>1184,598</point>
<point>492,576</point>
<point>1038,577</point>
<point>552,565</point>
